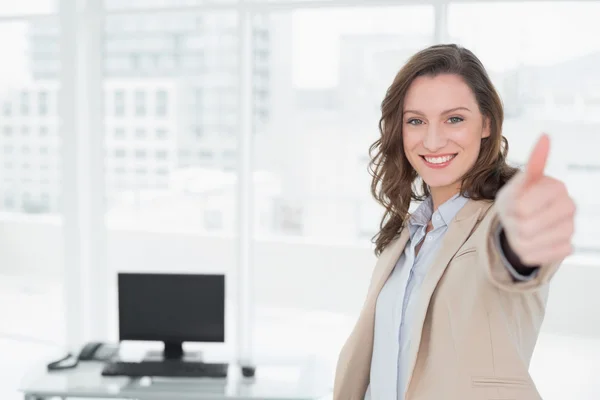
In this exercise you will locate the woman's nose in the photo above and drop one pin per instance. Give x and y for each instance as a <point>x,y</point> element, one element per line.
<point>434,139</point>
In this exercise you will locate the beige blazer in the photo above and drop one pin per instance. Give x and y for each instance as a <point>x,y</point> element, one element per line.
<point>475,327</point>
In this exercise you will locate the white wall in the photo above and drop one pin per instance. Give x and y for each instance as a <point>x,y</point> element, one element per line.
<point>295,274</point>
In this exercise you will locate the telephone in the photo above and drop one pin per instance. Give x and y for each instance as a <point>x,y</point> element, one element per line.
<point>88,351</point>
<point>93,351</point>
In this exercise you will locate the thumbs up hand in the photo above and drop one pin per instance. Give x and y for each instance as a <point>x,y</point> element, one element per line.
<point>536,212</point>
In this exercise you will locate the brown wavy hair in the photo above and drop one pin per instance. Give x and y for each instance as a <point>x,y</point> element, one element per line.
<point>395,182</point>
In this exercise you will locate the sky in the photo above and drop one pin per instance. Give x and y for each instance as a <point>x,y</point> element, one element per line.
<point>501,34</point>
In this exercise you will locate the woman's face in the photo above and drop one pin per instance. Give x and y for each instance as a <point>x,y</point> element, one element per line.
<point>442,129</point>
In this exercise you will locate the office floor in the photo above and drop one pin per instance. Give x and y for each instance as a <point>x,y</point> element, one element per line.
<point>31,325</point>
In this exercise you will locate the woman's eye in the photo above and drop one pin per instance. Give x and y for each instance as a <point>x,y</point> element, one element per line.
<point>455,120</point>
<point>414,121</point>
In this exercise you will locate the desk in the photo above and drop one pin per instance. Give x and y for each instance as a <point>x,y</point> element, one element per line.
<point>272,382</point>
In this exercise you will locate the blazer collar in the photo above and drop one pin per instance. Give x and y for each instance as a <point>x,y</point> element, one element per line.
<point>463,223</point>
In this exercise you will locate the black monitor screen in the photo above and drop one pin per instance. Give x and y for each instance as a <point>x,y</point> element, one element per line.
<point>172,307</point>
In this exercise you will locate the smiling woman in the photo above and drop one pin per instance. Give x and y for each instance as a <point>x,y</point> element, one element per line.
<point>451,117</point>
<point>442,294</point>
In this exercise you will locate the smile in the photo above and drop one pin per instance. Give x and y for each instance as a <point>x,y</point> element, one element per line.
<point>438,161</point>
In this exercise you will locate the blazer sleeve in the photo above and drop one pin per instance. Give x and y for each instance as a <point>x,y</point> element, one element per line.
<point>491,259</point>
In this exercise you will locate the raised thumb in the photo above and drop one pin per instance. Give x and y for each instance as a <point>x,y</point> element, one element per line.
<point>534,169</point>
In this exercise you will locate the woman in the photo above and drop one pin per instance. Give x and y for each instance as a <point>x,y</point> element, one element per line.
<point>458,294</point>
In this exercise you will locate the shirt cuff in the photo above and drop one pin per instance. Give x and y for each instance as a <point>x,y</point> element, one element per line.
<point>515,274</point>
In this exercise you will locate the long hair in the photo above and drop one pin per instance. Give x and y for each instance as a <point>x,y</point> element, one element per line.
<point>394,183</point>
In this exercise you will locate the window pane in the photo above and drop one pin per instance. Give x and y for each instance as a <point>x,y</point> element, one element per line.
<point>331,69</point>
<point>161,103</point>
<point>154,120</point>
<point>31,263</point>
<point>28,96</point>
<point>328,71</point>
<point>549,80</point>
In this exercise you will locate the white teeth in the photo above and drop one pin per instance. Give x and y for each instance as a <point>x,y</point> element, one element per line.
<point>438,160</point>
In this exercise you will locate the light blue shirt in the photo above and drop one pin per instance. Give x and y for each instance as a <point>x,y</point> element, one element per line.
<point>396,302</point>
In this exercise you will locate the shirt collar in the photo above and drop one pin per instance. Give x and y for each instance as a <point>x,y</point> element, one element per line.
<point>450,208</point>
<point>424,213</point>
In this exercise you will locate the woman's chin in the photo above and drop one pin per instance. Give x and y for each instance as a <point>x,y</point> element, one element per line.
<point>437,183</point>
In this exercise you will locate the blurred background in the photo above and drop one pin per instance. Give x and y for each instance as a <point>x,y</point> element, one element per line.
<point>165,136</point>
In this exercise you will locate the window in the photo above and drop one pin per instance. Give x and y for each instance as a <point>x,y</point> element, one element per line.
<point>337,96</point>
<point>43,131</point>
<point>205,155</point>
<point>7,131</point>
<point>139,154</point>
<point>135,61</point>
<point>288,218</point>
<point>45,200</point>
<point>119,103</point>
<point>43,103</point>
<point>161,103</point>
<point>24,108</point>
<point>9,201</point>
<point>120,153</point>
<point>7,109</point>
<point>25,130</point>
<point>161,133</point>
<point>119,133</point>
<point>150,53</point>
<point>140,103</point>
<point>184,153</point>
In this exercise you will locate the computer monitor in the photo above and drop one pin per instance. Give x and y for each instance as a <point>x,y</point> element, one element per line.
<point>172,308</point>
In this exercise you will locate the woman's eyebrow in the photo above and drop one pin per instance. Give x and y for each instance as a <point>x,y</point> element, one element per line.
<point>445,112</point>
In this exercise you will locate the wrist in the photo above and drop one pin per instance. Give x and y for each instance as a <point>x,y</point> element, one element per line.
<point>512,257</point>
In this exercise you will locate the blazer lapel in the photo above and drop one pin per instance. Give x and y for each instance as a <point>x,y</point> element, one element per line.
<point>354,364</point>
<point>386,264</point>
<point>458,232</point>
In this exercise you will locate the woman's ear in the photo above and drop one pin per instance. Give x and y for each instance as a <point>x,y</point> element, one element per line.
<point>485,132</point>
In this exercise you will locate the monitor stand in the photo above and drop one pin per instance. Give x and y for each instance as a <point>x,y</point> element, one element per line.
<point>173,351</point>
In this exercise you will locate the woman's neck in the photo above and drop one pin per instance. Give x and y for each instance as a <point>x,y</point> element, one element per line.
<point>442,195</point>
